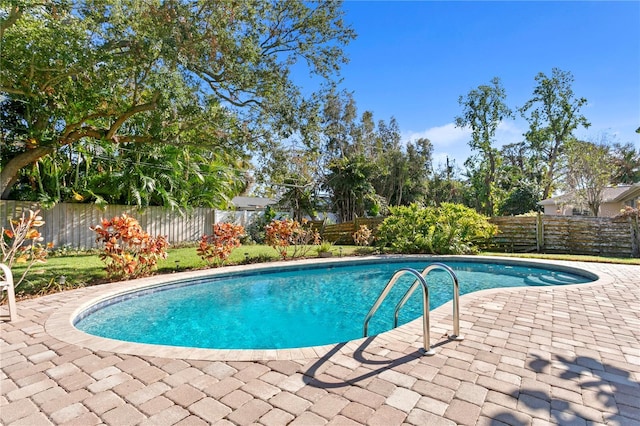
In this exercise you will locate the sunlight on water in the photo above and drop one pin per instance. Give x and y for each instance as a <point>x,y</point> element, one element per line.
<point>297,308</point>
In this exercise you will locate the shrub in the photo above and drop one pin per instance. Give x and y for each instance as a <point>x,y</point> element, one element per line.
<point>21,242</point>
<point>280,234</point>
<point>448,229</point>
<point>363,236</point>
<point>129,251</point>
<point>324,248</point>
<point>216,248</point>
<point>256,229</point>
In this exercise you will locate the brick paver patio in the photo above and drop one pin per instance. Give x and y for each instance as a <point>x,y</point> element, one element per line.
<point>535,355</point>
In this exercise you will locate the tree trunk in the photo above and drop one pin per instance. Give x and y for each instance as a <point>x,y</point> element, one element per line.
<point>9,174</point>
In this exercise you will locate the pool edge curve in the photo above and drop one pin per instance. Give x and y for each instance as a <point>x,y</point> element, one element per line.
<point>60,324</point>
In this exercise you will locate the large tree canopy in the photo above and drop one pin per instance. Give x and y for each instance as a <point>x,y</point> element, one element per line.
<point>588,172</point>
<point>484,109</point>
<point>553,115</point>
<point>167,72</point>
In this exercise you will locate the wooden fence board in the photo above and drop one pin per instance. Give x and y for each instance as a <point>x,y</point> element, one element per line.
<point>342,233</point>
<point>563,234</point>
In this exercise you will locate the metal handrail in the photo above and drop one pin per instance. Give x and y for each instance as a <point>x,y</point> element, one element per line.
<point>456,298</point>
<point>426,337</point>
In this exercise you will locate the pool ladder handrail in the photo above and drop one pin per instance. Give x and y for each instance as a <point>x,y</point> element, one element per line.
<point>421,279</point>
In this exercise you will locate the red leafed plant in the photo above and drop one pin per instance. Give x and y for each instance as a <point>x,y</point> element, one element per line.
<point>129,251</point>
<point>216,248</point>
<point>21,242</point>
<point>282,233</point>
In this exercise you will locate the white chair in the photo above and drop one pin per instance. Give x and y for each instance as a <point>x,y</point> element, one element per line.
<point>7,285</point>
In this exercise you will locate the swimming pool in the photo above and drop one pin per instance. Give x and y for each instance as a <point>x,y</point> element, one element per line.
<point>293,306</point>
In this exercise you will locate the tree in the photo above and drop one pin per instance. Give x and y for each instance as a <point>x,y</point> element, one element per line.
<point>483,111</point>
<point>142,175</point>
<point>521,198</point>
<point>295,180</point>
<point>445,186</point>
<point>338,124</point>
<point>520,182</point>
<point>391,171</point>
<point>350,184</point>
<point>356,149</point>
<point>213,74</point>
<point>626,164</point>
<point>553,114</point>
<point>588,172</point>
<point>165,175</point>
<point>419,165</point>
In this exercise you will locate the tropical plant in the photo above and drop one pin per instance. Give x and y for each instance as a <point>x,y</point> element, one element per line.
<point>164,175</point>
<point>129,251</point>
<point>284,233</point>
<point>324,248</point>
<point>216,248</point>
<point>448,229</point>
<point>21,242</point>
<point>363,236</point>
<point>351,185</point>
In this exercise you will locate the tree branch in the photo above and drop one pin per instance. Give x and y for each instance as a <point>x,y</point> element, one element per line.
<point>14,15</point>
<point>124,117</point>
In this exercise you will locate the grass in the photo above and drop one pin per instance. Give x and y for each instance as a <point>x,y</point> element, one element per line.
<point>84,269</point>
<point>571,257</point>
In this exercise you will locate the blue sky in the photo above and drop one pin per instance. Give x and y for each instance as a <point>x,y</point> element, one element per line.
<point>412,60</point>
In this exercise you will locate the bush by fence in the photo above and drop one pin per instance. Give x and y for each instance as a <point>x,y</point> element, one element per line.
<point>519,234</point>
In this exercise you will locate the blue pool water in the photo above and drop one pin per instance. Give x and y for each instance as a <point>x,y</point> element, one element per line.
<point>289,308</point>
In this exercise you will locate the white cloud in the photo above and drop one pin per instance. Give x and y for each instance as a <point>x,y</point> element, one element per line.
<point>442,136</point>
<point>452,142</point>
<point>448,141</point>
<point>449,135</point>
<point>509,132</point>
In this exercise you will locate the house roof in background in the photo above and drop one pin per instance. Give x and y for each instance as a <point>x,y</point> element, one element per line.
<point>252,202</point>
<point>633,191</point>
<point>611,194</point>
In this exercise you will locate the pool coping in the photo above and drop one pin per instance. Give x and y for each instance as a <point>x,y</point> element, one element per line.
<point>60,326</point>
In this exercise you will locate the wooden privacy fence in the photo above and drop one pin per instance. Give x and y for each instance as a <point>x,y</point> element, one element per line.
<point>599,236</point>
<point>544,234</point>
<point>68,224</point>
<point>342,233</point>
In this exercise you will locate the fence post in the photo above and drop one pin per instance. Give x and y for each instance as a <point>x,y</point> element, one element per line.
<point>635,236</point>
<point>539,233</point>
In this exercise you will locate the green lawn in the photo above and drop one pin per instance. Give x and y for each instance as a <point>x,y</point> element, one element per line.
<point>573,257</point>
<point>82,269</point>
